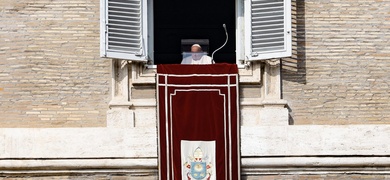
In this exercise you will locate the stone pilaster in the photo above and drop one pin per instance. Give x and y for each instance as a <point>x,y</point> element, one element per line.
<point>120,115</point>
<point>274,111</point>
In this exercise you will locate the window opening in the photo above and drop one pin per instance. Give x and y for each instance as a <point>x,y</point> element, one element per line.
<point>175,20</point>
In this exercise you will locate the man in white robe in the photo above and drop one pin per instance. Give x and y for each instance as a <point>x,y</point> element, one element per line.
<point>197,56</point>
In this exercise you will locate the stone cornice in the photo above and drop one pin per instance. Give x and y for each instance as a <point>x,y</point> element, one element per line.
<point>250,165</point>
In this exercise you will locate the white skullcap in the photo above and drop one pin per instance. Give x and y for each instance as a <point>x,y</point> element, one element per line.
<point>196,45</point>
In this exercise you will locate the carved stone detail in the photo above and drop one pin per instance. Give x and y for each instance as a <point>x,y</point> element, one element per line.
<point>273,62</point>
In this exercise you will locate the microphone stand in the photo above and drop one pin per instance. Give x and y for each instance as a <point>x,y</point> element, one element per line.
<point>227,37</point>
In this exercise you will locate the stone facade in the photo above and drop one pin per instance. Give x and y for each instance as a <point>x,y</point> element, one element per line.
<point>339,74</point>
<point>49,78</point>
<point>51,74</point>
<point>95,118</point>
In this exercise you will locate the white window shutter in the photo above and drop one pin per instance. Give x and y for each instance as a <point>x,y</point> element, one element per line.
<point>269,35</point>
<point>123,29</point>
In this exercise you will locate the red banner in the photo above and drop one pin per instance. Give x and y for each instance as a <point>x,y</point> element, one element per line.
<point>198,122</point>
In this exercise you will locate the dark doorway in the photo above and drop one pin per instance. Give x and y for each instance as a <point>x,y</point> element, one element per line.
<point>175,20</point>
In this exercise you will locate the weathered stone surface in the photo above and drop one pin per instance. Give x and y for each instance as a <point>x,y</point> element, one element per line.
<point>339,73</point>
<point>51,74</point>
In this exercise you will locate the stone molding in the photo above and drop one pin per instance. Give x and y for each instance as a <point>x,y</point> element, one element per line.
<point>141,74</point>
<point>135,166</point>
<point>251,166</point>
<point>316,165</point>
<point>264,149</point>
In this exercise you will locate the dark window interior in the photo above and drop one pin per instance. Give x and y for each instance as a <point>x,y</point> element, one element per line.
<point>175,20</point>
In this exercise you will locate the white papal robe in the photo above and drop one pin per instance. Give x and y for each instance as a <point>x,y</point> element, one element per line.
<point>203,60</point>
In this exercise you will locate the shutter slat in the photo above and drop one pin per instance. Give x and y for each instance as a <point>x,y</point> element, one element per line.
<point>125,14</point>
<point>268,40</point>
<point>119,41</point>
<point>120,49</point>
<point>123,10</point>
<point>267,48</point>
<point>124,27</point>
<point>124,24</point>
<point>128,32</point>
<point>122,34</point>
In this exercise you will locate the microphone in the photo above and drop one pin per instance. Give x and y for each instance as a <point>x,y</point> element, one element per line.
<point>227,37</point>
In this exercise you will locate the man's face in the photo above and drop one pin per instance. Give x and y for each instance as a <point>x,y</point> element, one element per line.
<point>196,53</point>
<point>195,49</point>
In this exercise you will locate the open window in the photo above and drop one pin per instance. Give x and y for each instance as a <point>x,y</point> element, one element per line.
<point>175,20</point>
<point>152,30</point>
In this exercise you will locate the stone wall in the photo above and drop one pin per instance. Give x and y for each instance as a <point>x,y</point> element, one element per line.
<point>51,74</point>
<point>340,71</point>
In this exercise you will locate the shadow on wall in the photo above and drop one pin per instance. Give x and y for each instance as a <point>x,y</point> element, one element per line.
<point>294,68</point>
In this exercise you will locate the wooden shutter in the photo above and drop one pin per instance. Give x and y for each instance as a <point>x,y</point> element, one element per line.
<point>270,29</point>
<point>123,30</point>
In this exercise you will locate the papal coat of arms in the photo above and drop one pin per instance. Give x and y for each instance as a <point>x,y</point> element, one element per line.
<point>197,166</point>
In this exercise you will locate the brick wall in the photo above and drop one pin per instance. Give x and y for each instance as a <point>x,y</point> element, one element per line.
<point>51,74</point>
<point>340,71</point>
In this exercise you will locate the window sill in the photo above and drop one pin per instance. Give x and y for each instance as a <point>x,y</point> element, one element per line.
<point>145,75</point>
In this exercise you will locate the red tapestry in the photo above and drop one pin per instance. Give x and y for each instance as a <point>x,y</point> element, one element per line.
<point>198,122</point>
